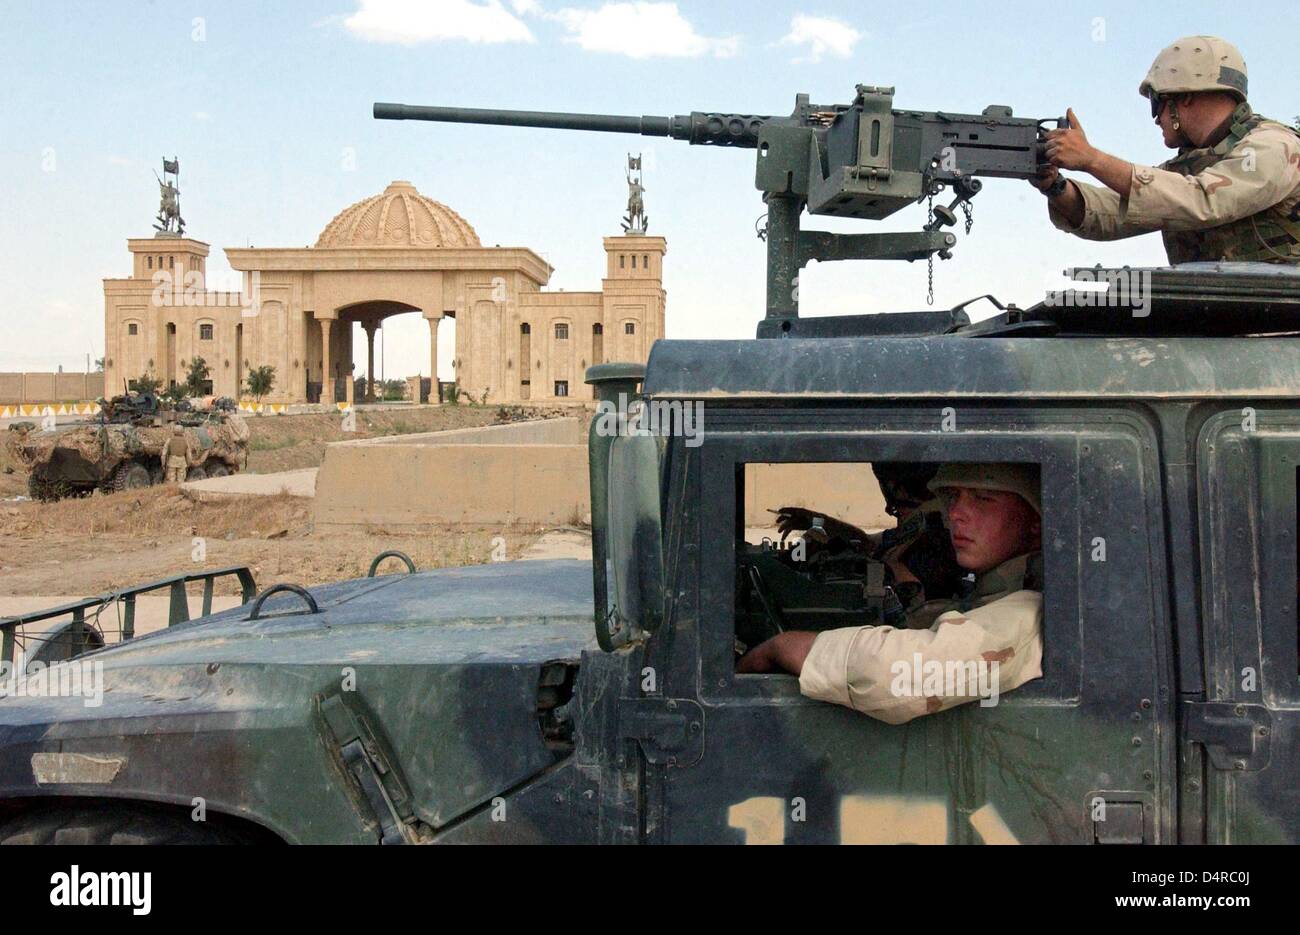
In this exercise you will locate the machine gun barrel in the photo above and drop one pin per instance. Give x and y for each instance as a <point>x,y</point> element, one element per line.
<point>701,129</point>
<point>862,161</point>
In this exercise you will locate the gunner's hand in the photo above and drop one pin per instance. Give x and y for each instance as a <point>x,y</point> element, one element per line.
<point>1069,148</point>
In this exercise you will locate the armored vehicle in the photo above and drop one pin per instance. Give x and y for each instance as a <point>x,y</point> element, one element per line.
<point>477,704</point>
<point>123,451</point>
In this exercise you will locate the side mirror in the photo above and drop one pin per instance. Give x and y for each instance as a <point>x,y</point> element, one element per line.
<point>635,548</point>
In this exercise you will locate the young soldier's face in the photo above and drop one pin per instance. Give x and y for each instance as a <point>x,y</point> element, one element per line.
<point>989,526</point>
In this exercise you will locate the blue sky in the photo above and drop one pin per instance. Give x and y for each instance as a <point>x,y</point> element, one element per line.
<point>268,108</point>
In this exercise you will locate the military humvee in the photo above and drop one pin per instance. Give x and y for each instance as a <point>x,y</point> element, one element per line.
<point>477,704</point>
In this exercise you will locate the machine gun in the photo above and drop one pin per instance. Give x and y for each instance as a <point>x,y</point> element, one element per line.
<point>862,160</point>
<point>130,409</point>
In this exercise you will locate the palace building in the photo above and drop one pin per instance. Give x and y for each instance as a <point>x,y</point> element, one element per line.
<point>393,253</point>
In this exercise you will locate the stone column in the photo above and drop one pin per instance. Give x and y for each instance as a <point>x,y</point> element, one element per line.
<point>327,365</point>
<point>370,360</point>
<point>433,361</point>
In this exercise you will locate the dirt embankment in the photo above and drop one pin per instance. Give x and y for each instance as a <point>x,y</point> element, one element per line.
<point>283,443</point>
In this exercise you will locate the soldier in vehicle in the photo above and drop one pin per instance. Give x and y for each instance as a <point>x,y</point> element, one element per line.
<point>918,551</point>
<point>1231,193</point>
<point>176,456</point>
<point>993,513</point>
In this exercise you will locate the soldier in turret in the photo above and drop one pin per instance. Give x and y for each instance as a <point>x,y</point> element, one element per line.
<point>1231,193</point>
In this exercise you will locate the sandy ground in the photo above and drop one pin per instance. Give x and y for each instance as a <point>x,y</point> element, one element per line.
<point>89,546</point>
<point>300,482</point>
<point>95,545</point>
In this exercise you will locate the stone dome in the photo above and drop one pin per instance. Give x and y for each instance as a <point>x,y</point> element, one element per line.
<point>398,217</point>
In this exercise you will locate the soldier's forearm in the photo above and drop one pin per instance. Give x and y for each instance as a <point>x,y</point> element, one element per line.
<point>1111,171</point>
<point>1069,204</point>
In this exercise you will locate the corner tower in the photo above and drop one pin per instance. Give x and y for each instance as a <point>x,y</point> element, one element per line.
<point>633,296</point>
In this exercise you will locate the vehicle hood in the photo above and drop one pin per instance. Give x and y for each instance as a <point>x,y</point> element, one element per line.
<point>451,670</point>
<point>503,612</point>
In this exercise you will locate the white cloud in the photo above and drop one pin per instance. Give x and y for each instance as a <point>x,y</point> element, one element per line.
<point>821,35</point>
<point>202,116</point>
<point>641,30</point>
<point>409,22</point>
<point>526,6</point>
<point>116,160</point>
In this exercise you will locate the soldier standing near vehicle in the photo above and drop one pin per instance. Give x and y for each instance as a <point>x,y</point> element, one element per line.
<point>1231,193</point>
<point>176,456</point>
<point>993,514</point>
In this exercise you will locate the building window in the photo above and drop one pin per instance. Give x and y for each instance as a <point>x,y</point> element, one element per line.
<point>634,261</point>
<point>205,332</point>
<point>525,328</point>
<point>171,262</point>
<point>149,260</point>
<point>597,328</point>
<point>133,328</point>
<point>561,331</point>
<point>629,327</point>
<point>645,260</point>
<point>622,261</point>
<point>561,387</point>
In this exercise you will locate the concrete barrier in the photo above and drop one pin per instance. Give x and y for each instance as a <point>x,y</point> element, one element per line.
<point>536,472</point>
<point>528,472</point>
<point>20,388</point>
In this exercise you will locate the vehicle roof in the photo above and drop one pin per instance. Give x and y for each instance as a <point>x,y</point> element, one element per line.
<point>1202,330</point>
<point>952,366</point>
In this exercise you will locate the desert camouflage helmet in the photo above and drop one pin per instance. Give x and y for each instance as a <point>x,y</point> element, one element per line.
<point>1019,479</point>
<point>1197,63</point>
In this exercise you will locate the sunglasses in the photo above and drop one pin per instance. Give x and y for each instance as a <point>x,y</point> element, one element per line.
<point>1158,102</point>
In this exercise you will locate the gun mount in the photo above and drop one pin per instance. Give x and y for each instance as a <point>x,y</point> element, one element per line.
<point>862,160</point>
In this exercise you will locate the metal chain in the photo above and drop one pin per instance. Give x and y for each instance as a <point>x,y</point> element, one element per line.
<point>929,219</point>
<point>968,209</point>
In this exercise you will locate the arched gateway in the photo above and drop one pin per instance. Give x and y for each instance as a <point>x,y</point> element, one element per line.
<point>393,253</point>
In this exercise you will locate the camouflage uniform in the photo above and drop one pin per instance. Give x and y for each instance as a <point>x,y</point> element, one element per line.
<point>177,459</point>
<point>998,621</point>
<point>1235,199</point>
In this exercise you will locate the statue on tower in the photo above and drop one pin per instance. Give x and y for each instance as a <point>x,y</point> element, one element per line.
<point>636,221</point>
<point>169,218</point>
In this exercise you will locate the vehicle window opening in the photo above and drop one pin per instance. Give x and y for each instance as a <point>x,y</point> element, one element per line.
<point>821,546</point>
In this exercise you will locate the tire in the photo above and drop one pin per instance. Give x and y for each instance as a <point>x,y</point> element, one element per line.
<point>196,473</point>
<point>40,487</point>
<point>131,475</point>
<point>217,470</point>
<point>112,823</point>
